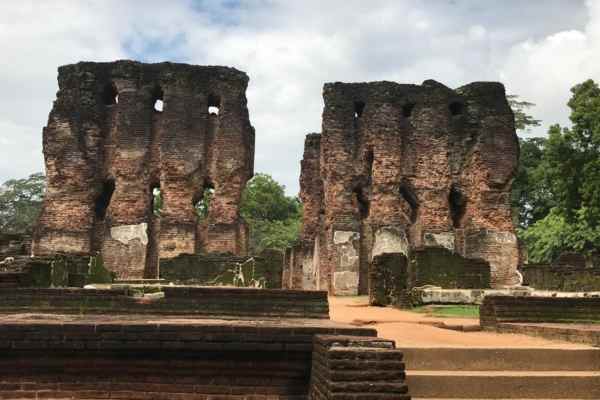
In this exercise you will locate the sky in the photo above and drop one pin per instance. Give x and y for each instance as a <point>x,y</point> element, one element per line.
<point>539,49</point>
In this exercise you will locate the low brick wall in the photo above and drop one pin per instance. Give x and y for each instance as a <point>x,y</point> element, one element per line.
<point>162,360</point>
<point>14,244</point>
<point>566,278</point>
<point>346,367</point>
<point>264,270</point>
<point>499,309</point>
<point>14,279</point>
<point>388,280</point>
<point>439,267</point>
<point>575,333</point>
<point>192,301</point>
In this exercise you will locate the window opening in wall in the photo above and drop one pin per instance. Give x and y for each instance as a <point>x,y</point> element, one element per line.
<point>407,193</point>
<point>361,201</point>
<point>110,94</point>
<point>103,199</point>
<point>457,203</point>
<point>157,99</point>
<point>359,107</point>
<point>456,108</point>
<point>407,109</point>
<point>202,204</point>
<point>157,201</point>
<point>369,159</point>
<point>214,104</point>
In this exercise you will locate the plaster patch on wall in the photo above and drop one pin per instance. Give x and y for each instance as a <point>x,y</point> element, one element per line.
<point>308,272</point>
<point>345,283</point>
<point>127,233</point>
<point>503,237</point>
<point>444,239</point>
<point>341,237</point>
<point>389,240</point>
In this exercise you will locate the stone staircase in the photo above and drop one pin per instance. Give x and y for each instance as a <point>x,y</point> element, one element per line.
<point>494,373</point>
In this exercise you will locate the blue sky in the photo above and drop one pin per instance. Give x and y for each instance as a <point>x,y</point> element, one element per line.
<point>538,49</point>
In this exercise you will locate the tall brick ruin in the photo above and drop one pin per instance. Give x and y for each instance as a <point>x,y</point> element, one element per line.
<point>107,148</point>
<point>399,168</point>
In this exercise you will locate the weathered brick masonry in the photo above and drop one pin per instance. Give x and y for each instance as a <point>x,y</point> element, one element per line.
<point>177,300</point>
<point>132,359</point>
<point>402,167</point>
<point>196,343</point>
<point>107,148</point>
<point>500,309</point>
<point>346,367</point>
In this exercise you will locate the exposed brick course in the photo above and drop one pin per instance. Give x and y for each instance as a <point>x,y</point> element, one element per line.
<point>401,167</point>
<point>124,355</point>
<point>107,148</point>
<point>499,309</point>
<point>346,367</point>
<point>193,301</point>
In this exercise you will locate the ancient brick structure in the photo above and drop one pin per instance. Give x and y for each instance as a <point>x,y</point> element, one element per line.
<point>211,343</point>
<point>403,167</point>
<point>119,132</point>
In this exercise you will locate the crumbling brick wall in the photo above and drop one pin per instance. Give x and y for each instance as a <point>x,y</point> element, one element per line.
<point>402,167</point>
<point>107,148</point>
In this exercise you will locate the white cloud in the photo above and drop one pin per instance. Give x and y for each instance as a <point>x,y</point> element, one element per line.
<point>542,71</point>
<point>289,49</point>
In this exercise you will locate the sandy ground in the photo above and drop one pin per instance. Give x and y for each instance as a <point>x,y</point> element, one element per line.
<point>411,329</point>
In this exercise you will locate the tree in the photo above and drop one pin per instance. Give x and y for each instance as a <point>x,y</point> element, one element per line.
<point>569,170</point>
<point>523,121</point>
<point>273,217</point>
<point>20,203</point>
<point>530,199</point>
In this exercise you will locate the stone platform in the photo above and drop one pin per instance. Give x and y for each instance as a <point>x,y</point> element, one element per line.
<point>575,333</point>
<point>221,302</point>
<point>108,351</point>
<point>494,373</point>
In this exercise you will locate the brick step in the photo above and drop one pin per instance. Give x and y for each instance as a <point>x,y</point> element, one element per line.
<point>504,384</point>
<point>490,359</point>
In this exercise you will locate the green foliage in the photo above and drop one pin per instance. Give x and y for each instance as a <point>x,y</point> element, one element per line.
<point>203,205</point>
<point>567,177</point>
<point>273,217</point>
<point>20,203</point>
<point>444,311</point>
<point>531,197</point>
<point>264,199</point>
<point>157,201</point>
<point>523,121</point>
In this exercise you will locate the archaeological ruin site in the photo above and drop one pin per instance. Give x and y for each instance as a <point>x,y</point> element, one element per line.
<point>107,149</point>
<point>124,291</point>
<point>399,169</point>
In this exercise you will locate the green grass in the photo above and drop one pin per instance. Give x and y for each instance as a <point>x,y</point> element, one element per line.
<point>463,311</point>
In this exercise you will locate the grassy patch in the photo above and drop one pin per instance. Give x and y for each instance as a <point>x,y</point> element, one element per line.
<point>461,311</point>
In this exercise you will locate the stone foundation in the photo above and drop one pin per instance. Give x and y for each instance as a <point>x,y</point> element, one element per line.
<point>192,344</point>
<point>264,270</point>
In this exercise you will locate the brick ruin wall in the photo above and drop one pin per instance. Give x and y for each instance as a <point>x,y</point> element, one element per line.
<point>107,148</point>
<point>401,167</point>
<point>570,272</point>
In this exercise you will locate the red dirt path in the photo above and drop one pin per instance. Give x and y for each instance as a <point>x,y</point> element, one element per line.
<point>410,329</point>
